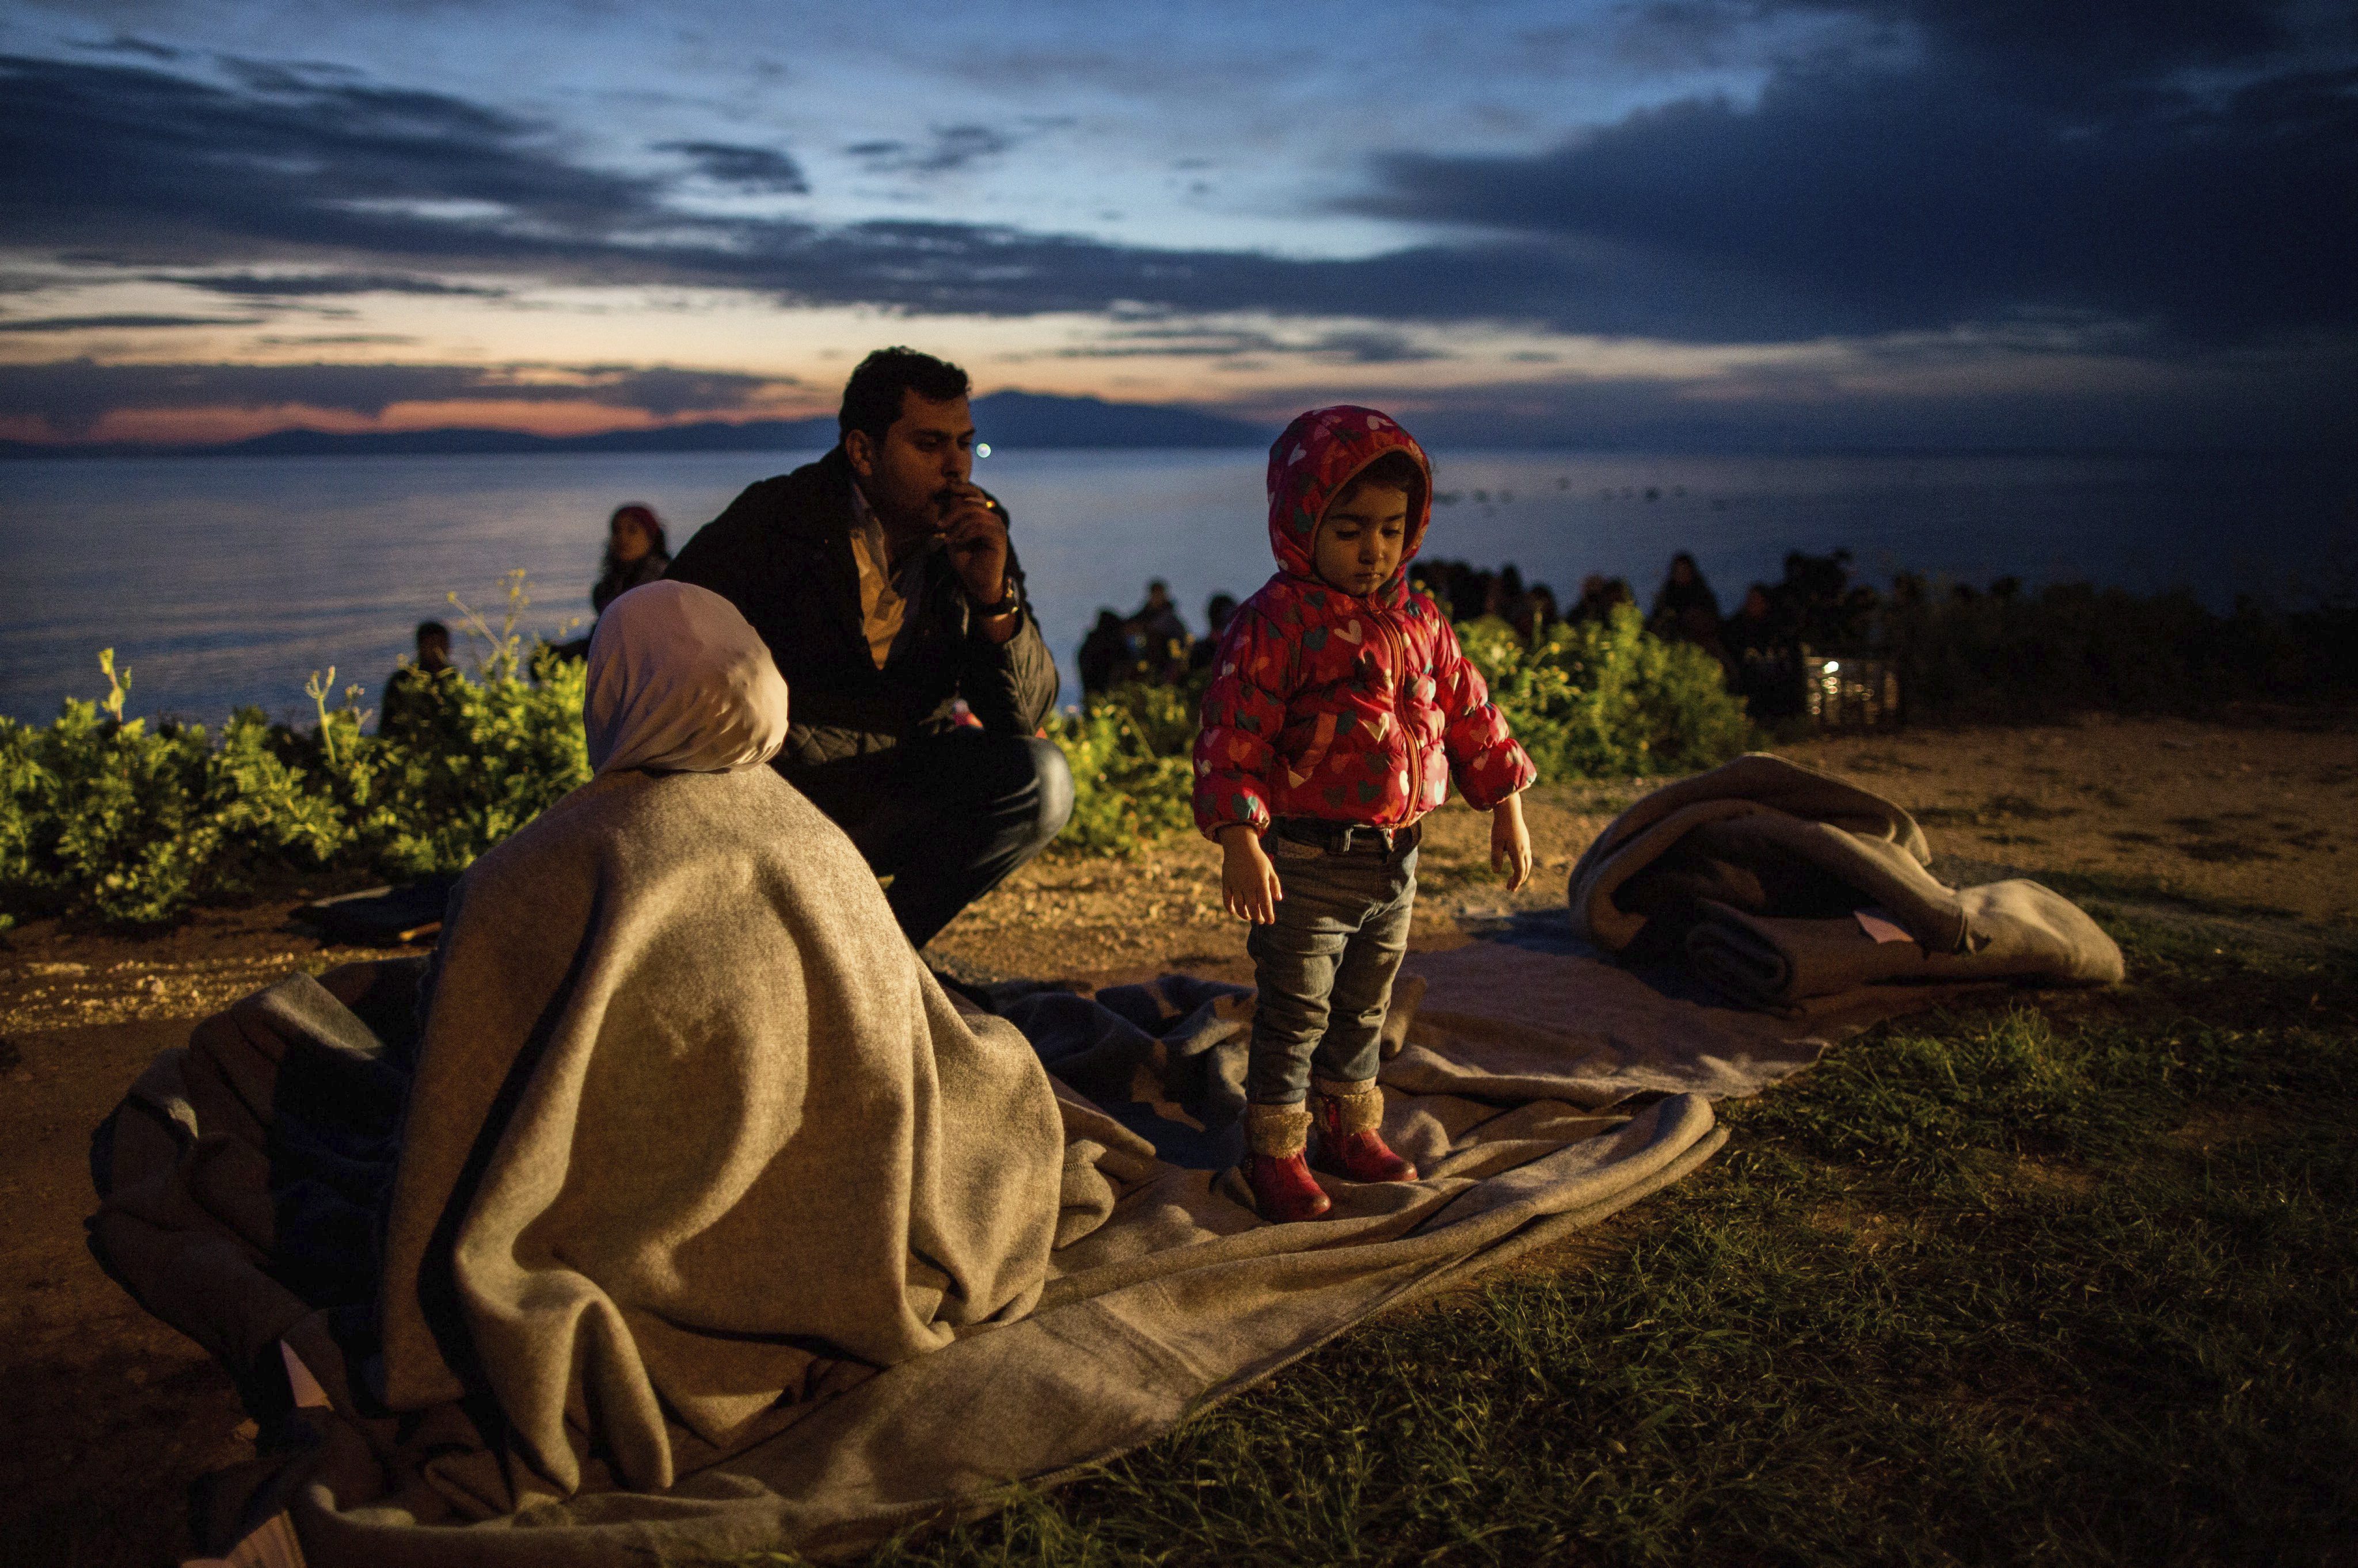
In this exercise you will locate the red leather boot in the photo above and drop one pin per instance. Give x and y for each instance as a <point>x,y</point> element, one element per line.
<point>1275,1137</point>
<point>1350,1132</point>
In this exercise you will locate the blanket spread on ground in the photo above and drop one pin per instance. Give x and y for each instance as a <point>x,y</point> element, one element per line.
<point>634,1252</point>
<point>1789,889</point>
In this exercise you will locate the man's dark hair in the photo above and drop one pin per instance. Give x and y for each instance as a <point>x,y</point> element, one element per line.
<point>432,629</point>
<point>872,398</point>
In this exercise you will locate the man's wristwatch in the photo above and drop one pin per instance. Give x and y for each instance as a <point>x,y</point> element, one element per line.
<point>1008,605</point>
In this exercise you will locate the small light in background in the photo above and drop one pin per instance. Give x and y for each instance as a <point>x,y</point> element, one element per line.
<point>983,449</point>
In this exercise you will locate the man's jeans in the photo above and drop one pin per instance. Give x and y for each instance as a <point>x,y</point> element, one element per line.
<point>945,816</point>
<point>1325,967</point>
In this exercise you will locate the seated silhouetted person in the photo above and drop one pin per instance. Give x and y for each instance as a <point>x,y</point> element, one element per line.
<point>1218,611</point>
<point>1599,596</point>
<point>1163,637</point>
<point>1686,610</point>
<point>1107,655</point>
<point>1766,650</point>
<point>410,695</point>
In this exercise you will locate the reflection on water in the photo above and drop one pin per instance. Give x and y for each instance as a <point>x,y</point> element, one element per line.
<point>224,581</point>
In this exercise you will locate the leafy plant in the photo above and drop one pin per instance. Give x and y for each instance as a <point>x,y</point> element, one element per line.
<point>102,817</point>
<point>1128,754</point>
<point>1608,698</point>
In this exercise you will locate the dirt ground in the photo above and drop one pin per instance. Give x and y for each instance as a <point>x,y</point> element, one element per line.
<point>111,1415</point>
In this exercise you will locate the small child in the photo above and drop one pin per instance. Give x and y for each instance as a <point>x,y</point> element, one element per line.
<point>1339,706</point>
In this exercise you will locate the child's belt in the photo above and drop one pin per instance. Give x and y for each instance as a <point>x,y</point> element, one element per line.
<point>1349,838</point>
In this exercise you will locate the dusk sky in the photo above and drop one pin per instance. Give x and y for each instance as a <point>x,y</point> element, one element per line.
<point>1685,224</point>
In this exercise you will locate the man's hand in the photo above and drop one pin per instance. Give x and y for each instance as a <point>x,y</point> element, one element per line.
<point>977,541</point>
<point>1510,842</point>
<point>1249,884</point>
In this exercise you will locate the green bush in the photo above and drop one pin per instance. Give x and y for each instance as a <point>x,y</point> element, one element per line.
<point>106,818</point>
<point>1129,752</point>
<point>103,817</point>
<point>1609,698</point>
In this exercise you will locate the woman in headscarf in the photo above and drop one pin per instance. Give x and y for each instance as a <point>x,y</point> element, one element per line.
<point>693,1134</point>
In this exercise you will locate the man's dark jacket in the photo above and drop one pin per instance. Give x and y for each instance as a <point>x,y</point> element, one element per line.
<point>781,555</point>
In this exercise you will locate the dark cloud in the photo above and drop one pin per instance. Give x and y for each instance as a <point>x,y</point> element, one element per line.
<point>2269,404</point>
<point>1910,194</point>
<point>1198,341</point>
<point>73,395</point>
<point>324,340</point>
<point>952,147</point>
<point>1374,347</point>
<point>2040,48</point>
<point>752,168</point>
<point>1859,201</point>
<point>129,164</point>
<point>125,43</point>
<point>2090,42</point>
<point>307,286</point>
<point>663,392</point>
<point>96,323</point>
<point>132,161</point>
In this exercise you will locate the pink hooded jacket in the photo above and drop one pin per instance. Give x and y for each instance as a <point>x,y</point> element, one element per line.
<point>1329,705</point>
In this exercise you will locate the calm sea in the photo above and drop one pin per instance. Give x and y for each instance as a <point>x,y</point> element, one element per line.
<point>227,581</point>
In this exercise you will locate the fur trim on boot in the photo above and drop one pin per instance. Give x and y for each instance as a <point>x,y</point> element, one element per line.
<point>1359,1108</point>
<point>1350,1132</point>
<point>1277,1129</point>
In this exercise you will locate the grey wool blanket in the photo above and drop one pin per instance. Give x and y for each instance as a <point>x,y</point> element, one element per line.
<point>1789,889</point>
<point>696,1217</point>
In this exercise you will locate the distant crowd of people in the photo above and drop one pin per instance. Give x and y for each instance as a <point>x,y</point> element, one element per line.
<point>1814,607</point>
<point>1151,644</point>
<point>1759,646</point>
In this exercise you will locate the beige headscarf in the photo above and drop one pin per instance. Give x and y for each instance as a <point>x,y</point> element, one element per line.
<point>679,683</point>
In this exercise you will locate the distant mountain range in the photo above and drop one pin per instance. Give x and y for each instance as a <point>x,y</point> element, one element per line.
<point>1008,420</point>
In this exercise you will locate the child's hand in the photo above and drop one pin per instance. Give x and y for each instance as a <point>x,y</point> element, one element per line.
<point>1249,884</point>
<point>1510,842</point>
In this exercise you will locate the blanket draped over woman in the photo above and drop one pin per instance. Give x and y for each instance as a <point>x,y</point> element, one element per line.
<point>693,1131</point>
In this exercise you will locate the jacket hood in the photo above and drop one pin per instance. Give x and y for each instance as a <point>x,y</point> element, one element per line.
<point>1313,462</point>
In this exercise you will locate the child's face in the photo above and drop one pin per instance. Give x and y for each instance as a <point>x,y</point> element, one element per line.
<point>1359,539</point>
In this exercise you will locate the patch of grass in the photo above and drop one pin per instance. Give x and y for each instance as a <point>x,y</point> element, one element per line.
<point>2132,888</point>
<point>2071,1281</point>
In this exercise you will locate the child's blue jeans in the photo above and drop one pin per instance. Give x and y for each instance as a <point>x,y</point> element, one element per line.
<point>1325,967</point>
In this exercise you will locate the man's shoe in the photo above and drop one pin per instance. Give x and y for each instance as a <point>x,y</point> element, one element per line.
<point>1282,1187</point>
<point>1350,1132</point>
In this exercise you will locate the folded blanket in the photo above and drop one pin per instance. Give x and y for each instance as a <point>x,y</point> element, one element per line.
<point>1753,873</point>
<point>2020,930</point>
